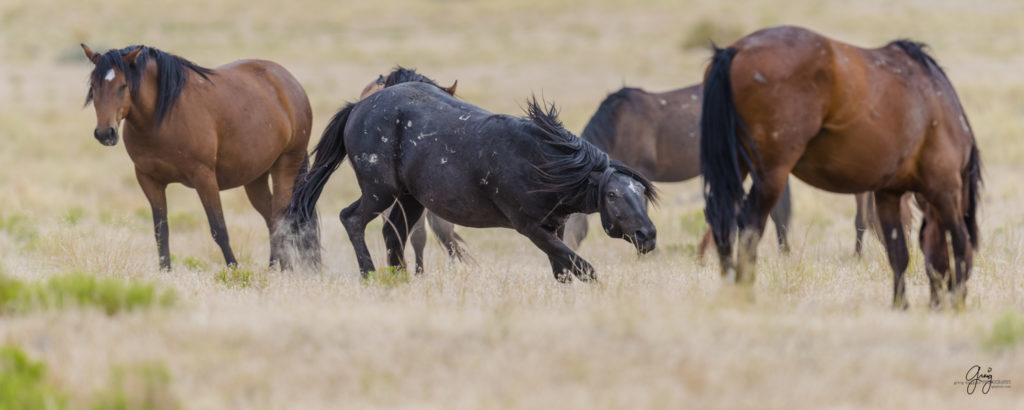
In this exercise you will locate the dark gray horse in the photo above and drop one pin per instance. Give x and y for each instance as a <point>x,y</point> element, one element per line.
<point>657,134</point>
<point>415,146</point>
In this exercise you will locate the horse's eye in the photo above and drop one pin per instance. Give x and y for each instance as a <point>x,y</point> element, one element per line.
<point>122,87</point>
<point>612,195</point>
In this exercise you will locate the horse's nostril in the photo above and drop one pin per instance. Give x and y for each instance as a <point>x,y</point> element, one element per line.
<point>640,236</point>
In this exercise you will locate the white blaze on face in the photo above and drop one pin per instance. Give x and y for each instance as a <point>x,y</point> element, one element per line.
<point>636,188</point>
<point>110,75</point>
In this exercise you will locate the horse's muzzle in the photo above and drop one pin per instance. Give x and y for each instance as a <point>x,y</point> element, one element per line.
<point>645,240</point>
<point>106,136</point>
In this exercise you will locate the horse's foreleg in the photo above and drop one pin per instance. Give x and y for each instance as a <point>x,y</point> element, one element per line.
<point>575,231</point>
<point>780,215</point>
<point>860,221</point>
<point>156,194</point>
<point>404,214</point>
<point>209,194</point>
<point>563,260</point>
<point>888,206</point>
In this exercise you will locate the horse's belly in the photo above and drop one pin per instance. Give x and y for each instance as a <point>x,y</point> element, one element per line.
<point>847,167</point>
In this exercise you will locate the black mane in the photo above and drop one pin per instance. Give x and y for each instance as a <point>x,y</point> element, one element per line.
<point>171,71</point>
<point>404,75</point>
<point>567,171</point>
<point>600,130</point>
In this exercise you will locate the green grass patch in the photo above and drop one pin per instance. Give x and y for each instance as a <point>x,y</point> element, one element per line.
<point>1007,331</point>
<point>189,263</point>
<point>388,277</point>
<point>73,215</point>
<point>143,387</point>
<point>22,383</point>
<point>77,289</point>
<point>693,222</point>
<point>234,277</point>
<point>19,226</point>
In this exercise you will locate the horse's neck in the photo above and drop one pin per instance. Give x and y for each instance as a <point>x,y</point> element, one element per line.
<point>589,202</point>
<point>142,113</point>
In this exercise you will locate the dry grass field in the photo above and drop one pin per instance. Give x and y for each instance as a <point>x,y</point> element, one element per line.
<point>661,331</point>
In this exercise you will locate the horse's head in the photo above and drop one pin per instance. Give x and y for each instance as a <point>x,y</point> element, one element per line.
<point>402,75</point>
<point>372,87</point>
<point>109,92</point>
<point>623,208</point>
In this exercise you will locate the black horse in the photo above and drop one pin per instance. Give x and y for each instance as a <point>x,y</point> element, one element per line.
<point>415,146</point>
<point>444,230</point>
<point>657,134</point>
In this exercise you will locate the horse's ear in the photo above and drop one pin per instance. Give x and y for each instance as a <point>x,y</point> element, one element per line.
<point>380,79</point>
<point>89,54</point>
<point>130,57</point>
<point>451,90</point>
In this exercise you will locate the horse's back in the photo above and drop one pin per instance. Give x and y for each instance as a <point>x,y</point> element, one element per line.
<point>874,108</point>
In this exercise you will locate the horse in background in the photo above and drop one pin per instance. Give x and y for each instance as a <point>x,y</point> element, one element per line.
<point>844,119</point>
<point>416,144</point>
<point>657,134</point>
<point>245,123</point>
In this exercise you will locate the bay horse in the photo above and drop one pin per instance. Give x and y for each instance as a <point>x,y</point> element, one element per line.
<point>241,124</point>
<point>444,230</point>
<point>844,119</point>
<point>657,134</point>
<point>416,146</point>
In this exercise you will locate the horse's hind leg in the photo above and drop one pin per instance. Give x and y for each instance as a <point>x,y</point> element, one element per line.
<point>888,206</point>
<point>418,237</point>
<point>258,192</point>
<point>283,174</point>
<point>354,219</point>
<point>396,228</point>
<point>753,218</point>
<point>780,214</point>
<point>209,194</point>
<point>936,252</point>
<point>947,210</point>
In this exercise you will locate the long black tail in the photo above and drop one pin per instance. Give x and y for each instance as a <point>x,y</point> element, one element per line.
<point>721,150</point>
<point>972,176</point>
<point>330,152</point>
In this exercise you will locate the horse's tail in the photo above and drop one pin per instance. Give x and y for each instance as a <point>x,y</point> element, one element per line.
<point>330,152</point>
<point>972,177</point>
<point>721,148</point>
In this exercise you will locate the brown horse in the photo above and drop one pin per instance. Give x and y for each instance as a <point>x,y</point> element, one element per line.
<point>845,119</point>
<point>657,134</point>
<point>240,124</point>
